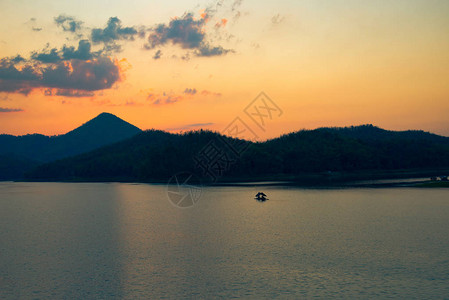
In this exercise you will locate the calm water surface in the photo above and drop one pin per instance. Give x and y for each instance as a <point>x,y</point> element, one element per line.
<point>126,241</point>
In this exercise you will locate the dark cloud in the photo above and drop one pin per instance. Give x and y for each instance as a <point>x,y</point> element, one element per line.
<point>188,33</point>
<point>158,54</point>
<point>112,32</point>
<point>6,110</point>
<point>190,91</point>
<point>185,31</point>
<point>17,59</point>
<point>15,80</point>
<point>68,23</point>
<point>83,52</point>
<point>47,56</point>
<point>96,74</point>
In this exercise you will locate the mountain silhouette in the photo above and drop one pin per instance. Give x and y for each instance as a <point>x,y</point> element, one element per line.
<point>102,130</point>
<point>18,153</point>
<point>154,156</point>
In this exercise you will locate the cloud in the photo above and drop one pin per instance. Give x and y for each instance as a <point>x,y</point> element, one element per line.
<point>190,91</point>
<point>207,50</point>
<point>234,10</point>
<point>185,31</point>
<point>16,59</point>
<point>112,32</point>
<point>158,54</point>
<point>7,110</point>
<point>221,23</point>
<point>111,48</point>
<point>277,19</point>
<point>83,52</point>
<point>13,79</point>
<point>188,33</point>
<point>170,97</point>
<point>186,56</point>
<point>255,45</point>
<point>68,23</point>
<point>78,70</point>
<point>68,93</point>
<point>46,56</point>
<point>164,98</point>
<point>236,4</point>
<point>190,126</point>
<point>31,23</point>
<point>236,16</point>
<point>96,74</point>
<point>209,93</point>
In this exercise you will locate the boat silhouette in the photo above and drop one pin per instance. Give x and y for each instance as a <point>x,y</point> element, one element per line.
<point>260,196</point>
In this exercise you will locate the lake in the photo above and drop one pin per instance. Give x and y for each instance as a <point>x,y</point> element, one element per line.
<point>128,241</point>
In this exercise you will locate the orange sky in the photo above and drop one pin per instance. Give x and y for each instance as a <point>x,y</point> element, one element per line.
<point>324,64</point>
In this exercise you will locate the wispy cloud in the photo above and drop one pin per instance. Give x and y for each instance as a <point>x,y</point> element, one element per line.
<point>209,93</point>
<point>277,19</point>
<point>68,93</point>
<point>8,110</point>
<point>190,126</point>
<point>190,91</point>
<point>68,23</point>
<point>164,98</point>
<point>158,54</point>
<point>172,97</point>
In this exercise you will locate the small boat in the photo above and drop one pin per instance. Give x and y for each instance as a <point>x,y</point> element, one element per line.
<point>261,197</point>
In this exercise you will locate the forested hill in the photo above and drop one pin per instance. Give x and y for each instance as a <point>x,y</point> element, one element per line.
<point>101,130</point>
<point>156,155</point>
<point>19,153</point>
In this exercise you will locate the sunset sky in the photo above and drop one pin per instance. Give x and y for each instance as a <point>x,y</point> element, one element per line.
<point>181,65</point>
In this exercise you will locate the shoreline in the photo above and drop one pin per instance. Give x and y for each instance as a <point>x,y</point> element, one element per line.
<point>355,179</point>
